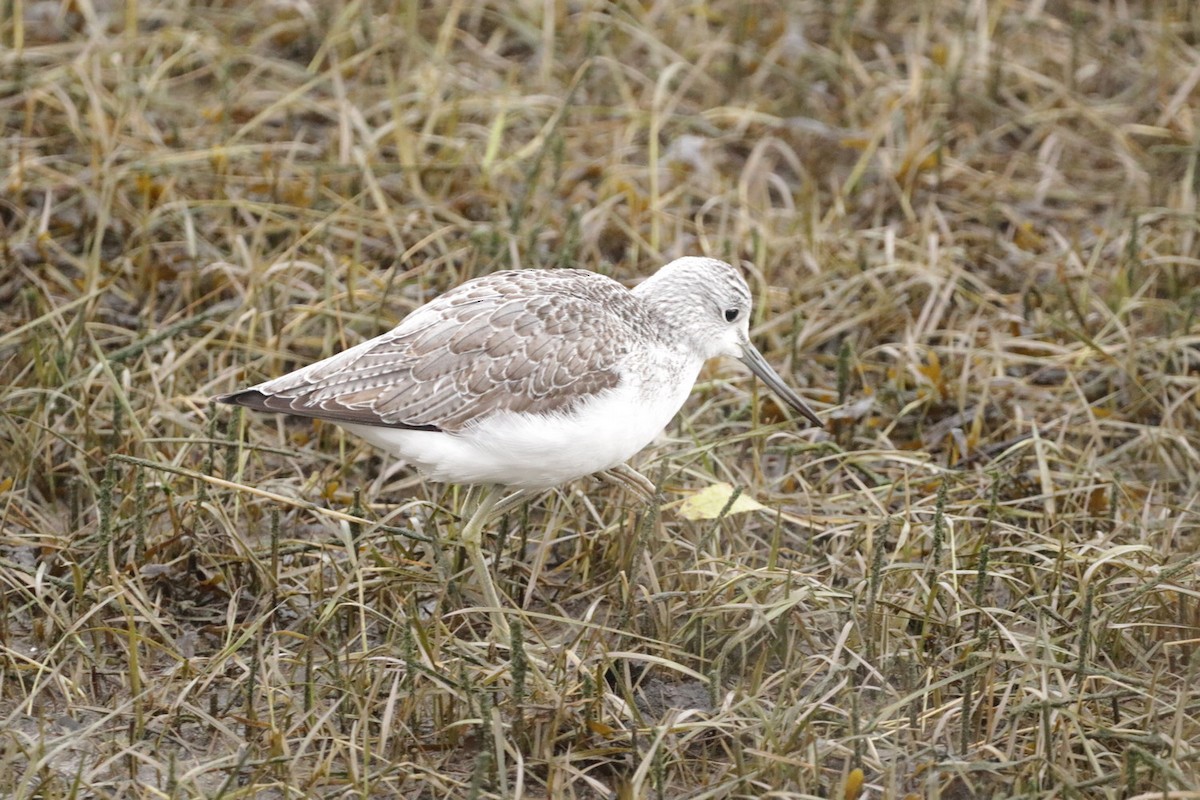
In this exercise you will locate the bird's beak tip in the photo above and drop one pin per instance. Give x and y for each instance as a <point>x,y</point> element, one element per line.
<point>759,366</point>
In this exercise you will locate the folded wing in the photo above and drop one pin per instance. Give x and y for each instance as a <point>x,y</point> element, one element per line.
<point>524,341</point>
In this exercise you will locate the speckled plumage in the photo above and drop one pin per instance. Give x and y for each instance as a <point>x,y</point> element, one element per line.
<point>530,342</point>
<point>530,378</point>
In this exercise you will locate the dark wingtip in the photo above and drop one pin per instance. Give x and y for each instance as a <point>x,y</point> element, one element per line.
<point>257,401</point>
<point>248,398</point>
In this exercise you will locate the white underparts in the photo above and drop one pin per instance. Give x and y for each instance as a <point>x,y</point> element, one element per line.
<point>540,451</point>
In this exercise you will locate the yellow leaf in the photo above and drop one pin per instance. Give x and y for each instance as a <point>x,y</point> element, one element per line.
<point>933,370</point>
<point>1026,237</point>
<point>854,783</point>
<point>600,728</point>
<point>710,502</point>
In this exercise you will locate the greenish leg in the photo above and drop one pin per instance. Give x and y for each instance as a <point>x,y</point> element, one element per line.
<point>472,539</point>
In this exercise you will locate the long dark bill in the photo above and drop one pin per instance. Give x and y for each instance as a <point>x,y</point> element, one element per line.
<point>759,366</point>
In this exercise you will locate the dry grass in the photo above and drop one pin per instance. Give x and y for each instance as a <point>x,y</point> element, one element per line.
<point>973,232</point>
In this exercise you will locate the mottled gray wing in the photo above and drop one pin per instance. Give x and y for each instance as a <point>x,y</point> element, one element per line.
<point>527,341</point>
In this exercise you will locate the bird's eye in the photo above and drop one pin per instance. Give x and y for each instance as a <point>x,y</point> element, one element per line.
<point>731,314</point>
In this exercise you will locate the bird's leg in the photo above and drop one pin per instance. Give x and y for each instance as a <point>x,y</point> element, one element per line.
<point>471,537</point>
<point>512,501</point>
<point>628,477</point>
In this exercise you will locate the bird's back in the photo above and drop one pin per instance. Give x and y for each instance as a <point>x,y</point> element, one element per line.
<point>528,342</point>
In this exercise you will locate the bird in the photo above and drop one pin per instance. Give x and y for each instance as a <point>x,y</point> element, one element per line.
<point>527,379</point>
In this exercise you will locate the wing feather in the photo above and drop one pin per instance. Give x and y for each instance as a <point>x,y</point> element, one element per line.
<point>528,342</point>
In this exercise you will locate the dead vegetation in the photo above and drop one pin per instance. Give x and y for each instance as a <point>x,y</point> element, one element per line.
<point>972,229</point>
